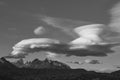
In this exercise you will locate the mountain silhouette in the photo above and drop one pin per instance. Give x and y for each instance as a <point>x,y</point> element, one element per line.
<point>48,70</point>
<point>4,64</point>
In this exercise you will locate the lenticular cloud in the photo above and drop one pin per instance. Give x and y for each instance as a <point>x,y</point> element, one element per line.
<point>89,34</point>
<point>93,34</point>
<point>27,46</point>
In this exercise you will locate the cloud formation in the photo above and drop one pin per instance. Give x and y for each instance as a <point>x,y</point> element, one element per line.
<point>90,39</point>
<point>39,30</point>
<point>65,25</point>
<point>54,47</point>
<point>27,46</point>
<point>79,30</point>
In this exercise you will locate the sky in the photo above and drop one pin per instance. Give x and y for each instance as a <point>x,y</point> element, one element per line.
<point>19,19</point>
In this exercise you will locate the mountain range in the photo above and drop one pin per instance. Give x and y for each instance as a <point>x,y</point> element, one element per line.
<point>35,64</point>
<point>48,70</point>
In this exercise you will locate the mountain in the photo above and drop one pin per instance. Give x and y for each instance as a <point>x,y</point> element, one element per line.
<point>38,64</point>
<point>6,64</point>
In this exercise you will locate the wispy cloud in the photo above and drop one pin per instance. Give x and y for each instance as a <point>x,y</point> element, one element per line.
<point>65,25</point>
<point>33,45</point>
<point>115,17</point>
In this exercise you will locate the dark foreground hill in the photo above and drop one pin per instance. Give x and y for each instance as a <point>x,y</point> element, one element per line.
<point>55,74</point>
<point>26,73</point>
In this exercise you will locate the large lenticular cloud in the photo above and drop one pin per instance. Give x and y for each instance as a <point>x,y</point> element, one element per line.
<point>92,39</point>
<point>27,46</point>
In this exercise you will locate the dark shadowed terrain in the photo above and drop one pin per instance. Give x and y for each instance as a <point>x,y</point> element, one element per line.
<point>49,70</point>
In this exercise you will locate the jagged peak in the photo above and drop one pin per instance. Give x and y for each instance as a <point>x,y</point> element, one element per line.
<point>47,60</point>
<point>36,61</point>
<point>48,63</point>
<point>6,63</point>
<point>2,60</point>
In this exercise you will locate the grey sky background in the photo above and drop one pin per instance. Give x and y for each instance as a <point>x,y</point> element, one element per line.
<point>18,19</point>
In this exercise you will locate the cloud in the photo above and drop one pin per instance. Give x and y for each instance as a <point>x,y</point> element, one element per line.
<point>89,61</point>
<point>27,46</point>
<point>39,30</point>
<point>93,34</point>
<point>85,33</point>
<point>89,34</point>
